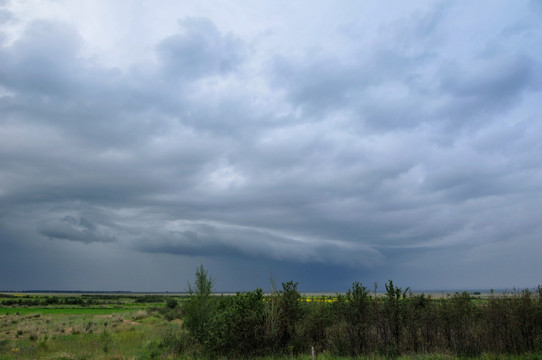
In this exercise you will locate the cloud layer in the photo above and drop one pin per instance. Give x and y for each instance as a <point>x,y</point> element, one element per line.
<point>360,142</point>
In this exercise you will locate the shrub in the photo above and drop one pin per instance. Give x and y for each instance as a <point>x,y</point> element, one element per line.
<point>199,307</point>
<point>318,319</point>
<point>356,324</point>
<point>237,328</point>
<point>140,315</point>
<point>172,303</point>
<point>460,320</point>
<point>177,340</point>
<point>288,314</point>
<point>106,339</point>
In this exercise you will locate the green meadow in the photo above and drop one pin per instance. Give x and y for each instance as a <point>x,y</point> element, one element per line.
<point>282,324</point>
<point>65,311</point>
<point>82,333</point>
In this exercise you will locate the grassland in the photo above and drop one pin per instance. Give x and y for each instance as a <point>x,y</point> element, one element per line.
<point>81,327</point>
<point>125,326</point>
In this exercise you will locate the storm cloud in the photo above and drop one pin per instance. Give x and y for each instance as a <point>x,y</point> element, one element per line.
<point>325,143</point>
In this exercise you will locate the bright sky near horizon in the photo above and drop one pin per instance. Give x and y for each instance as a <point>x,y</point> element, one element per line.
<point>324,142</point>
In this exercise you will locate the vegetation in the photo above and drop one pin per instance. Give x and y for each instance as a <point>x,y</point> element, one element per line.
<point>356,324</point>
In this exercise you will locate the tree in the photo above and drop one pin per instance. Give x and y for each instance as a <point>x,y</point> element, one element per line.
<point>203,286</point>
<point>199,308</point>
<point>289,313</point>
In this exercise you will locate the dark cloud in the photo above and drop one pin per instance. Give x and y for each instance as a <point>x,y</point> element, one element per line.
<point>70,228</point>
<point>227,240</point>
<point>406,156</point>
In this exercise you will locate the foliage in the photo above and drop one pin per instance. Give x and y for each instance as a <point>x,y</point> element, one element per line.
<point>237,328</point>
<point>355,312</point>
<point>200,307</point>
<point>357,324</point>
<point>172,303</point>
<point>289,313</point>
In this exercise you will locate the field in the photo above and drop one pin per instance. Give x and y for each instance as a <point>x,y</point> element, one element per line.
<point>112,327</point>
<point>284,324</point>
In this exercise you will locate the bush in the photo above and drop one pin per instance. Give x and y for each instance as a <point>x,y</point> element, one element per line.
<point>356,324</point>
<point>176,340</point>
<point>318,319</point>
<point>199,307</point>
<point>237,328</point>
<point>460,321</point>
<point>171,303</point>
<point>289,313</point>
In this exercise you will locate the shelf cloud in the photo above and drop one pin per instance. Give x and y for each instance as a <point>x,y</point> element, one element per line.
<point>362,141</point>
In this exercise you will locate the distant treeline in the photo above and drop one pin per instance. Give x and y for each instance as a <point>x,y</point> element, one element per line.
<point>356,324</point>
<point>55,300</point>
<point>80,300</point>
<point>66,292</point>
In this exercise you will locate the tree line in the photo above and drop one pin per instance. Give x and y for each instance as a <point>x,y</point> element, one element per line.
<point>356,324</point>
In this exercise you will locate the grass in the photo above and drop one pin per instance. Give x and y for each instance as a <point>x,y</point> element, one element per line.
<point>66,311</point>
<point>118,328</point>
<point>113,327</point>
<point>92,334</point>
<point>80,334</point>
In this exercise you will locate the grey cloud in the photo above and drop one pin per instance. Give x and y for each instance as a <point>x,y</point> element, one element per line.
<point>73,229</point>
<point>377,92</point>
<point>368,82</point>
<point>199,50</point>
<point>329,84</point>
<point>398,85</point>
<point>5,17</point>
<point>329,88</point>
<point>362,166</point>
<point>93,102</point>
<point>428,25</point>
<point>212,239</point>
<point>489,84</point>
<point>43,60</point>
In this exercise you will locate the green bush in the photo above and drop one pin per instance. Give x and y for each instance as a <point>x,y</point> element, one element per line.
<point>237,327</point>
<point>317,320</point>
<point>461,322</point>
<point>171,303</point>
<point>200,306</point>
<point>356,324</point>
<point>289,313</point>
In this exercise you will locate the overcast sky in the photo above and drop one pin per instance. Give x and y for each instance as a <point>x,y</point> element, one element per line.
<point>324,142</point>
